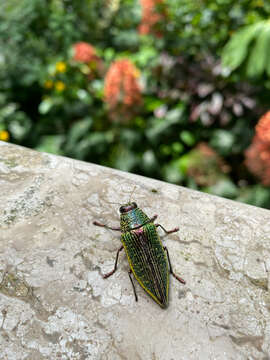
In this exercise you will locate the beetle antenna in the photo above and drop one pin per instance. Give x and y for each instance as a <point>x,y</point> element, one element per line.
<point>132,192</point>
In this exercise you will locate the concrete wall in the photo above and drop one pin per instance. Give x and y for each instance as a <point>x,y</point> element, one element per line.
<point>54,303</point>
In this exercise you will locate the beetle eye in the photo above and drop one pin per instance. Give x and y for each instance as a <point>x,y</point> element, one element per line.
<point>122,209</point>
<point>134,205</point>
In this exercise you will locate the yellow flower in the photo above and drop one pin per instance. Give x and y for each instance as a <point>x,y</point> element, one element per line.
<point>4,135</point>
<point>61,67</point>
<point>48,84</point>
<point>258,3</point>
<point>60,86</point>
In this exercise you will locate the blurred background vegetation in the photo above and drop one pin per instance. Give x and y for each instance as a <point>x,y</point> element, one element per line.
<point>176,90</point>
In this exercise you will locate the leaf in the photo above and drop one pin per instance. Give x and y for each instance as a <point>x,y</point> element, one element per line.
<point>172,172</point>
<point>183,163</point>
<point>224,187</point>
<point>78,130</point>
<point>45,106</point>
<point>222,141</point>
<point>145,56</point>
<point>267,66</point>
<point>187,137</point>
<point>129,137</point>
<point>236,50</point>
<point>162,126</point>
<point>109,54</point>
<point>19,126</point>
<point>258,57</point>
<point>51,144</point>
<point>125,159</point>
<point>95,143</point>
<point>152,103</point>
<point>126,38</point>
<point>255,195</point>
<point>149,161</point>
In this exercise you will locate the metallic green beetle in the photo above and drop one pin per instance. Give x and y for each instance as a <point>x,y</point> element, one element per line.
<point>145,252</point>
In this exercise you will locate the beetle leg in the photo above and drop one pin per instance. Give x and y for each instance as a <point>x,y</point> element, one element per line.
<point>134,290</point>
<point>167,231</point>
<point>115,264</point>
<point>170,266</point>
<point>153,218</point>
<point>106,226</point>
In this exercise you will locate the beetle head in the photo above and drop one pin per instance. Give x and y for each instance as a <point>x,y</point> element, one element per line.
<point>127,207</point>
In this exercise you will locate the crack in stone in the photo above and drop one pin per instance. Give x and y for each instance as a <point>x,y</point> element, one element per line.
<point>225,327</point>
<point>200,263</point>
<point>5,335</point>
<point>223,272</point>
<point>255,341</point>
<point>121,355</point>
<point>4,313</point>
<point>261,283</point>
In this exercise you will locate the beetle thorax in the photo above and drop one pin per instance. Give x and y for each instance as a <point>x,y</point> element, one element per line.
<point>132,219</point>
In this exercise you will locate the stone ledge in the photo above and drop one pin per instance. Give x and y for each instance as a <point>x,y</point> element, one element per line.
<point>54,303</point>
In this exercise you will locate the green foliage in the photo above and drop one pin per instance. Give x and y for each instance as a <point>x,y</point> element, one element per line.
<point>223,141</point>
<point>249,46</point>
<point>196,118</point>
<point>256,195</point>
<point>224,187</point>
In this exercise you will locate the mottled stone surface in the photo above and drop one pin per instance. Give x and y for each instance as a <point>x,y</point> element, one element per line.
<point>54,303</point>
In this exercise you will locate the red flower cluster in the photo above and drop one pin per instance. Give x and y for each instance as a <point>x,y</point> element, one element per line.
<point>258,154</point>
<point>150,17</point>
<point>84,52</point>
<point>122,91</point>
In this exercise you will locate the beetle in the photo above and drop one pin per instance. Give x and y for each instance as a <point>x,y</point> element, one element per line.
<point>148,259</point>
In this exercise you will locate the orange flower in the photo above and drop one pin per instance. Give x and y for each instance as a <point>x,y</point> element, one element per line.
<point>85,53</point>
<point>263,127</point>
<point>122,91</point>
<point>150,17</point>
<point>258,154</point>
